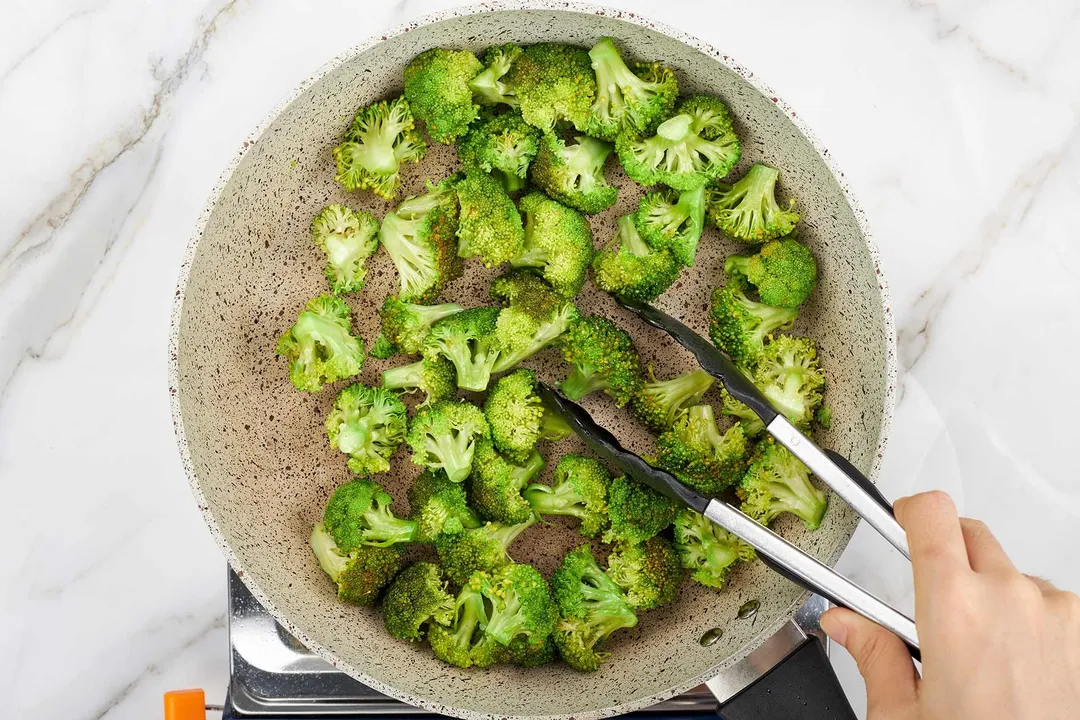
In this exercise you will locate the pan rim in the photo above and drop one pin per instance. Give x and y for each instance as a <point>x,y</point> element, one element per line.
<point>889,328</point>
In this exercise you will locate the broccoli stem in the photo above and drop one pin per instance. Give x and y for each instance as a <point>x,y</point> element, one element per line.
<point>506,534</point>
<point>510,181</point>
<point>798,496</point>
<point>581,381</point>
<point>560,500</point>
<point>675,129</point>
<point>504,625</point>
<point>737,264</point>
<point>326,551</point>
<point>471,614</point>
<point>630,237</point>
<point>455,452</point>
<point>404,377</point>
<point>532,467</point>
<point>473,363</point>
<point>670,395</point>
<point>553,427</point>
<point>703,420</point>
<point>384,529</point>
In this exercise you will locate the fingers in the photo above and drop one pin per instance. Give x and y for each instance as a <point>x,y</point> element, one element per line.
<point>934,538</point>
<point>984,552</point>
<point>883,660</point>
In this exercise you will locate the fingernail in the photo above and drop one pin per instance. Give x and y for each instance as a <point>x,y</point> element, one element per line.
<point>834,627</point>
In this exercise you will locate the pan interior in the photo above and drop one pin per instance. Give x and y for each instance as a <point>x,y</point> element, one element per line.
<point>259,459</point>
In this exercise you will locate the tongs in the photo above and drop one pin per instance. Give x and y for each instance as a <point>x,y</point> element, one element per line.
<point>776,552</point>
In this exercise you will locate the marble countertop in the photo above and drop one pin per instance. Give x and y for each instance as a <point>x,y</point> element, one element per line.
<point>957,124</point>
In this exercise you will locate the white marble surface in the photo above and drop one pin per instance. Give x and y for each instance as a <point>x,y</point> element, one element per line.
<point>957,122</point>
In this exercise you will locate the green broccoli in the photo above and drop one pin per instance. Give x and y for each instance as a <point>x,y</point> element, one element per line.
<point>439,505</point>
<point>788,374</point>
<point>416,598</point>
<point>784,272</point>
<point>640,97</point>
<point>495,484</point>
<point>739,326</point>
<point>534,318</point>
<point>707,550</point>
<point>437,88</point>
<point>658,402</point>
<point>602,357</point>
<point>359,573</point>
<point>671,221</point>
<point>694,451</point>
<point>358,513</point>
<point>467,339</point>
<point>689,149</point>
<point>406,325</point>
<point>503,145</point>
<point>778,482</point>
<point>747,419</point>
<point>368,425</point>
<point>483,549</point>
<point>528,654</point>
<point>520,606</point>
<point>591,606</point>
<point>489,86</point>
<point>519,418</point>
<point>436,378</point>
<point>636,511</point>
<point>558,242</point>
<point>748,211</point>
<point>381,138</point>
<point>320,347</point>
<point>553,82</point>
<point>580,491</point>
<point>573,174</point>
<point>443,436</point>
<point>419,237</point>
<point>349,238</point>
<point>490,227</point>
<point>382,348</point>
<point>461,643</point>
<point>649,573</point>
<point>629,268</point>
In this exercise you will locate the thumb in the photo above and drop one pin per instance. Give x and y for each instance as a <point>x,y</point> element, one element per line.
<point>883,660</point>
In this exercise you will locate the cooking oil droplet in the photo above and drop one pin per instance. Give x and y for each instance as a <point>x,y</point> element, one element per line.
<point>748,609</point>
<point>711,636</point>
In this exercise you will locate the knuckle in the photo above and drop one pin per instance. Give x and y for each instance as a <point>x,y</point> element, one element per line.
<point>935,501</point>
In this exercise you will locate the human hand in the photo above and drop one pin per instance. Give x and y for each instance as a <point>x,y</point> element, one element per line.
<point>995,643</point>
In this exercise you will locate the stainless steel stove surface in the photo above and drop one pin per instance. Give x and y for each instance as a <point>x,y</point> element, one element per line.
<point>274,676</point>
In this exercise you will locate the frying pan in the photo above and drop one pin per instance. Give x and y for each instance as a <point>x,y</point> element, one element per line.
<point>254,448</point>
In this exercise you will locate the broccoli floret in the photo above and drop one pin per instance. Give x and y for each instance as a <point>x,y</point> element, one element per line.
<point>467,339</point>
<point>671,221</point>
<point>689,149</point>
<point>349,238</point>
<point>490,227</point>
<point>649,573</point>
<point>748,419</point>
<point>535,317</point>
<point>707,550</point>
<point>580,491</point>
<point>657,403</point>
<point>419,237</point>
<point>381,138</point>
<point>368,425</point>
<point>518,417</point>
<point>639,97</point>
<point>520,606</point>
<point>636,512</point>
<point>358,513</point>
<point>439,505</point>
<point>443,436</point>
<point>406,325</point>
<point>788,373</point>
<point>528,654</point>
<point>602,357</point>
<point>436,378</point>
<point>359,573</point>
<point>784,272</point>
<point>629,268</point>
<point>778,482</point>
<point>591,606</point>
<point>748,211</point>
<point>320,347</point>
<point>495,484</point>
<point>489,87</point>
<point>382,348</point>
<point>416,598</point>
<point>553,82</point>
<point>504,145</point>
<point>437,88</point>
<point>694,451</point>
<point>460,642</point>
<point>739,325</point>
<point>483,549</point>
<point>573,174</point>
<point>823,416</point>
<point>558,242</point>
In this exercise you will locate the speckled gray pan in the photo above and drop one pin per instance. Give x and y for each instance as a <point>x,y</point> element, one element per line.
<point>254,447</point>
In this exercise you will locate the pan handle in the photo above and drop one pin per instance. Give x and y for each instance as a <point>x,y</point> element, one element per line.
<point>803,685</point>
